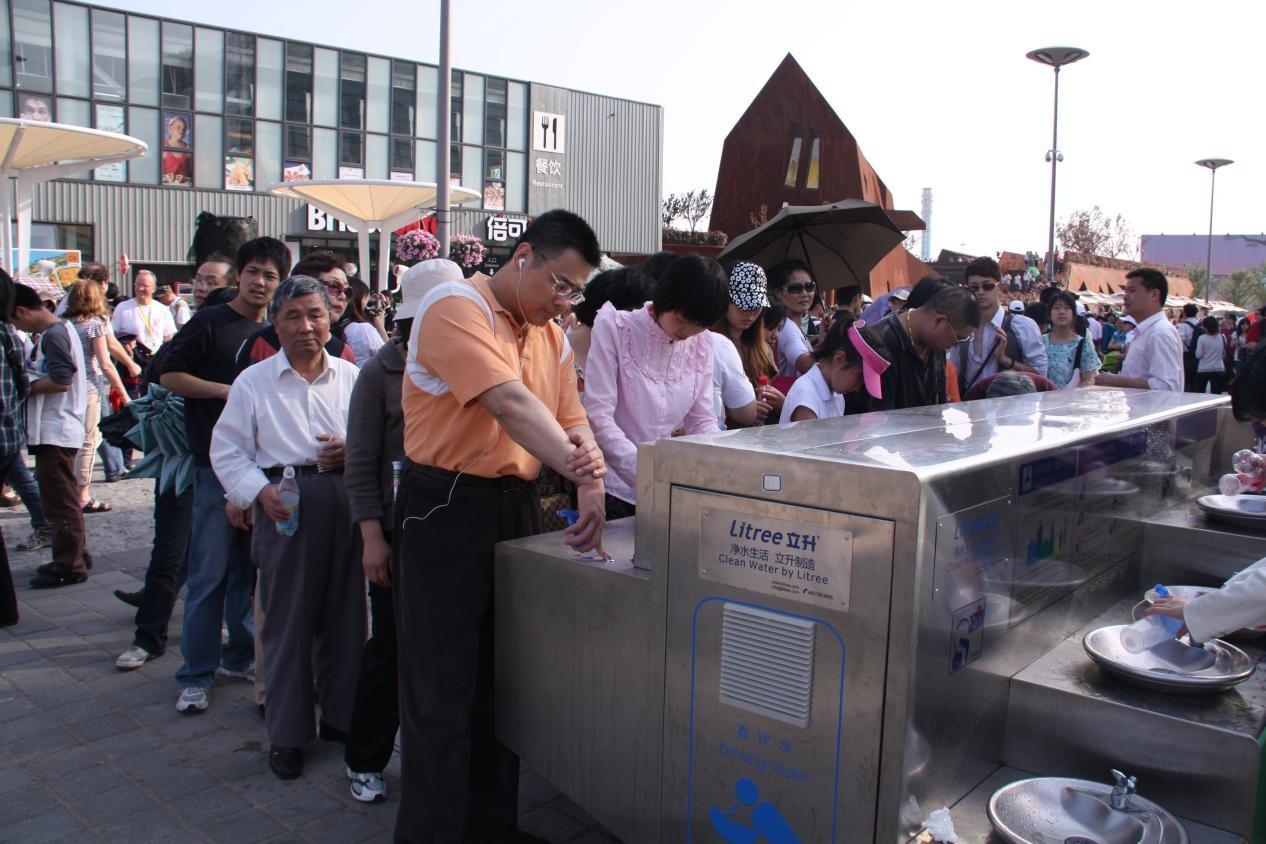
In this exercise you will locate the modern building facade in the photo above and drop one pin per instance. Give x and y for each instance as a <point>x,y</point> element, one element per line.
<point>228,113</point>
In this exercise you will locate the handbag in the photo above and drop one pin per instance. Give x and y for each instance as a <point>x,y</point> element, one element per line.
<point>116,426</point>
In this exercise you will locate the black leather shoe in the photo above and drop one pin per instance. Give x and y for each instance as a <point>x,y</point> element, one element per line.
<point>286,762</point>
<point>56,579</point>
<point>47,568</point>
<point>132,599</point>
<point>329,733</point>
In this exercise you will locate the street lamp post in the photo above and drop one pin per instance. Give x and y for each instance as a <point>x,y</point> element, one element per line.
<point>1055,57</point>
<point>1212,164</point>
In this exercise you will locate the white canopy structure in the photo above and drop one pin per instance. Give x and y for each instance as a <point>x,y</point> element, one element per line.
<point>32,152</point>
<point>362,204</point>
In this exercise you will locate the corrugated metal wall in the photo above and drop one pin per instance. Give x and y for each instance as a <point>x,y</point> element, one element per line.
<point>151,224</point>
<point>614,153</point>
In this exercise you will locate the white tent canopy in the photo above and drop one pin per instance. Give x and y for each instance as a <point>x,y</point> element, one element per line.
<point>362,204</point>
<point>32,152</point>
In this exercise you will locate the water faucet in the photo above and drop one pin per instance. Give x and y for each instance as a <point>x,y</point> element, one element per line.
<point>1125,785</point>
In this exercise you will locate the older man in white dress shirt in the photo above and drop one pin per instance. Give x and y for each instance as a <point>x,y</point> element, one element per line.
<point>291,410</point>
<point>1154,360</point>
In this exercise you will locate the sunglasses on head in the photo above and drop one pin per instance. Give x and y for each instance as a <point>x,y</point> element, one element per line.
<point>988,285</point>
<point>797,289</point>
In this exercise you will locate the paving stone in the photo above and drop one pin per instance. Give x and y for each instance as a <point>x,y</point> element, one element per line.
<point>534,790</point>
<point>244,828</point>
<point>302,806</point>
<point>207,806</point>
<point>12,778</point>
<point>73,759</point>
<point>112,805</point>
<point>22,726</point>
<point>550,822</point>
<point>48,826</point>
<point>150,825</point>
<point>348,826</point>
<point>32,802</point>
<point>42,743</point>
<point>95,780</point>
<point>170,784</point>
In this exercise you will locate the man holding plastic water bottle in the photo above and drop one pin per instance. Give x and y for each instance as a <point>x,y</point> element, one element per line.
<point>290,413</point>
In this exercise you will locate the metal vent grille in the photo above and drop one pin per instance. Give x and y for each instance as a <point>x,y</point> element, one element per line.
<point>767,663</point>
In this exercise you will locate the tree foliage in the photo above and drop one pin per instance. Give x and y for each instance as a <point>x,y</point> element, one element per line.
<point>691,207</point>
<point>1094,232</point>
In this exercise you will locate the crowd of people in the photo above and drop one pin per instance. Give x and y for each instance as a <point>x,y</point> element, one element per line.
<point>340,448</point>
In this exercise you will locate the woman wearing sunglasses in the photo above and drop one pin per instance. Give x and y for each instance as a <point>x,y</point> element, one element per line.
<point>792,286</point>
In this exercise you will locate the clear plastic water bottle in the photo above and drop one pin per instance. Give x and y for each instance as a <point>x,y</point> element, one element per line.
<point>1147,633</point>
<point>288,491</point>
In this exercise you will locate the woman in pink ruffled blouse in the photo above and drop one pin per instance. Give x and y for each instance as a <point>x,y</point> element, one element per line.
<point>649,373</point>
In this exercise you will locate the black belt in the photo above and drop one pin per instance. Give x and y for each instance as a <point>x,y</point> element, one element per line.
<point>275,472</point>
<point>509,483</point>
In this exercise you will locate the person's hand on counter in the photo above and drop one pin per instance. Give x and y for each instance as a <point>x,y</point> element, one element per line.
<point>1170,607</point>
<point>586,534</point>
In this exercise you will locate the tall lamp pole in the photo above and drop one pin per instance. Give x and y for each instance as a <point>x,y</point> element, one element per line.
<point>1055,57</point>
<point>1212,164</point>
<point>444,122</point>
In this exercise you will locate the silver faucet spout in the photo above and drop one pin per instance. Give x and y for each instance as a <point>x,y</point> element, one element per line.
<point>1121,792</point>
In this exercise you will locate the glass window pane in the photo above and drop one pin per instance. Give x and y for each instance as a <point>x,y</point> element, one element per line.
<point>109,55</point>
<point>267,154</point>
<point>208,161</point>
<point>210,70</point>
<point>142,61</point>
<point>143,124</point>
<point>403,98</point>
<point>376,157</point>
<point>325,105</point>
<point>177,65</point>
<point>473,109</point>
<point>324,153</point>
<point>495,116</point>
<point>239,136</point>
<point>268,67</point>
<point>811,180</point>
<point>6,59</point>
<point>455,118</point>
<point>110,118</point>
<point>71,23</point>
<point>428,82</point>
<point>298,83</point>
<point>74,112</point>
<point>35,106</point>
<point>352,93</point>
<point>379,95</point>
<point>472,168</point>
<point>494,164</point>
<point>351,150</point>
<point>6,103</point>
<point>239,74</point>
<point>516,181</point>
<point>424,161</point>
<point>298,143</point>
<point>454,163</point>
<point>402,154</point>
<point>793,164</point>
<point>516,121</point>
<point>33,45</point>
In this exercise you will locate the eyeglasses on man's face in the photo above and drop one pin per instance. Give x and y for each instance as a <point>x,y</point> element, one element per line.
<point>988,285</point>
<point>797,289</point>
<point>565,290</point>
<point>335,289</point>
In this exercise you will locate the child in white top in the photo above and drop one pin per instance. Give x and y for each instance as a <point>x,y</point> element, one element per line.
<point>845,359</point>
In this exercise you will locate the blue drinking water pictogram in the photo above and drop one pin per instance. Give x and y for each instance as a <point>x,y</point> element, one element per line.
<point>767,823</point>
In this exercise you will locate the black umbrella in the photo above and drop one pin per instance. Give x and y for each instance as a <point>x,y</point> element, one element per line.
<point>841,242</point>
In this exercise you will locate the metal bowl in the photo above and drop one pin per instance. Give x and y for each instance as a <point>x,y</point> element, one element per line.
<point>1173,667</point>
<point>1055,810</point>
<point>1246,511</point>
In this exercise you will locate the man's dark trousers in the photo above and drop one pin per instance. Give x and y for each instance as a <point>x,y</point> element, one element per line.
<point>458,783</point>
<point>173,516</point>
<point>59,493</point>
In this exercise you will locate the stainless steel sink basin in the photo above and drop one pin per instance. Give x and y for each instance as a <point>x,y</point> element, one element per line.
<point>1054,810</point>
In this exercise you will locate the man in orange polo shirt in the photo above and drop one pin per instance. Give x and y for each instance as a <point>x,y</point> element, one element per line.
<point>489,395</point>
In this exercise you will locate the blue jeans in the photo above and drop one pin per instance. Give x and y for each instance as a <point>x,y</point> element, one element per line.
<point>219,579</point>
<point>111,459</point>
<point>23,482</point>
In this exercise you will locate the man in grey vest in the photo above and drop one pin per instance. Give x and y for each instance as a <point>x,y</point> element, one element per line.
<point>1004,340</point>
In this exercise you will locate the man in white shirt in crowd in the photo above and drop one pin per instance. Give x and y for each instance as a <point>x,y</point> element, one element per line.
<point>291,410</point>
<point>1154,361</point>
<point>55,412</point>
<point>150,321</point>
<point>1005,339</point>
<point>180,313</point>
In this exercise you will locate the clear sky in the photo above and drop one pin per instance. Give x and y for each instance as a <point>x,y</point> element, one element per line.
<point>938,94</point>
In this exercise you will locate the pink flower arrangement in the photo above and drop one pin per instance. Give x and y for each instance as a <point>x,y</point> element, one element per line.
<point>466,251</point>
<point>417,245</point>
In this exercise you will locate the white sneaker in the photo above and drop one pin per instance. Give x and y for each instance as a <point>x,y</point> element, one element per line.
<point>247,673</point>
<point>367,788</point>
<point>193,699</point>
<point>133,658</point>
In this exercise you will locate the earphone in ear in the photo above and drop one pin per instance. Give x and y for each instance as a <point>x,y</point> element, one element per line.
<point>521,260</point>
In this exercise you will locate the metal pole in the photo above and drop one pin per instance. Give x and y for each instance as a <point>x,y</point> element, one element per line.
<point>1050,241</point>
<point>443,152</point>
<point>1208,261</point>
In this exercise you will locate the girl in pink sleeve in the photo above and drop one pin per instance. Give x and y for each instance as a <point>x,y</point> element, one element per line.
<point>649,372</point>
